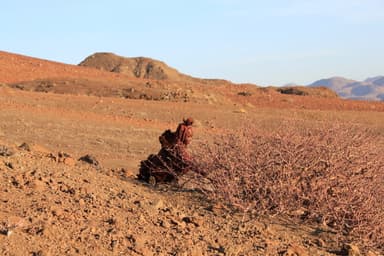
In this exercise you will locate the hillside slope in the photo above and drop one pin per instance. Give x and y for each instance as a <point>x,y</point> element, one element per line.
<point>33,74</point>
<point>19,68</point>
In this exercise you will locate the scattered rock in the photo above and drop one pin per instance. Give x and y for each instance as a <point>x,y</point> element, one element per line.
<point>192,220</point>
<point>36,229</point>
<point>90,160</point>
<point>5,151</point>
<point>3,231</point>
<point>58,212</point>
<point>38,253</point>
<point>177,223</point>
<point>165,224</point>
<point>159,204</point>
<point>9,165</point>
<point>52,156</point>
<point>62,156</point>
<point>25,147</point>
<point>67,189</point>
<point>6,231</point>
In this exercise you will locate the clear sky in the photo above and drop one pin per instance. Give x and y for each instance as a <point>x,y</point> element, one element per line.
<point>266,42</point>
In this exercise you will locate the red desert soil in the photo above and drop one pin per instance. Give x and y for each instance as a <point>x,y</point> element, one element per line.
<point>53,204</point>
<point>18,68</point>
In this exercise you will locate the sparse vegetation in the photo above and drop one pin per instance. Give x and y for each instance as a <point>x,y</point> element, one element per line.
<point>333,174</point>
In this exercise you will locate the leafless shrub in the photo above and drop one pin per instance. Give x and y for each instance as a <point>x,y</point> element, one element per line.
<point>333,174</point>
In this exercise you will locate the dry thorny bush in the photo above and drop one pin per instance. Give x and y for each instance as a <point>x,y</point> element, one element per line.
<point>332,174</point>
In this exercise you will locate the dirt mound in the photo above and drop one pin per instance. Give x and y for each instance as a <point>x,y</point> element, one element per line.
<point>139,67</point>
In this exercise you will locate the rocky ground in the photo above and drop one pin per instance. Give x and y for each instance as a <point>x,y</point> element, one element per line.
<point>54,204</point>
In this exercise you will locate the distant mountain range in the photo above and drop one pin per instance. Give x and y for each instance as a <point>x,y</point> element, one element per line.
<point>369,89</point>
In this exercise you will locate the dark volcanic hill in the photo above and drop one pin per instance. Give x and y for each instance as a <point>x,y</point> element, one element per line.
<point>369,89</point>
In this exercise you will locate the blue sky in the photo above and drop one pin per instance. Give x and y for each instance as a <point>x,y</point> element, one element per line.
<point>263,42</point>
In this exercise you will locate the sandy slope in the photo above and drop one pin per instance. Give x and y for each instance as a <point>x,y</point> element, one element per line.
<point>17,68</point>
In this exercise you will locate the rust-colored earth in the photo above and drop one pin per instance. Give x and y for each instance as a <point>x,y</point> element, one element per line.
<point>53,204</point>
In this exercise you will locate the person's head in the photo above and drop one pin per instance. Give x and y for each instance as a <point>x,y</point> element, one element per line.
<point>188,121</point>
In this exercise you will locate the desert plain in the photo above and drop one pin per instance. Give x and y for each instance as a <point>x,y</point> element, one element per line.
<point>114,109</point>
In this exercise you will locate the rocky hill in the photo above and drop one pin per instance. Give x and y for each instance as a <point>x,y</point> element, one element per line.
<point>139,67</point>
<point>369,89</point>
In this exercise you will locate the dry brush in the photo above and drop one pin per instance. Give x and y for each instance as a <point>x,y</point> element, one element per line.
<point>332,174</point>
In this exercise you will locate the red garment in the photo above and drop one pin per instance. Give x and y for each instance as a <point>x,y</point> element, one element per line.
<point>184,133</point>
<point>173,159</point>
